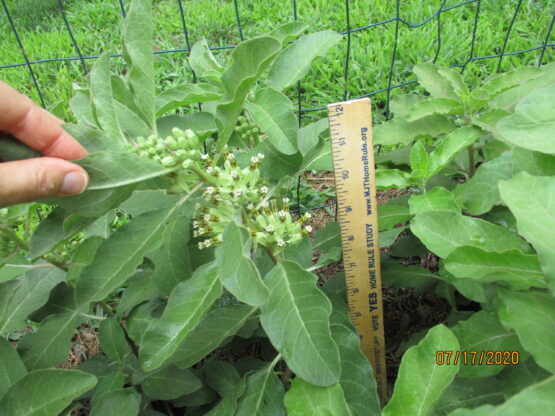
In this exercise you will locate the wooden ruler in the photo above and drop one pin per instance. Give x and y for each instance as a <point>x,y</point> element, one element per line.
<point>353,162</point>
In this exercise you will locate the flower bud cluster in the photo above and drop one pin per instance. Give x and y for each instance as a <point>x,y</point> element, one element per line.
<point>246,129</point>
<point>7,246</point>
<point>181,147</point>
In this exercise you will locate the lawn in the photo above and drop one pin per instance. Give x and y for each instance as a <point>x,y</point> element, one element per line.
<point>96,27</point>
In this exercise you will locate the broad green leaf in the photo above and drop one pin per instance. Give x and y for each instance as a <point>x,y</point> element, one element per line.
<point>438,199</point>
<point>216,327</point>
<point>83,256</point>
<point>228,404</point>
<point>273,112</point>
<point>511,268</point>
<point>451,145</point>
<point>515,378</point>
<point>436,83</point>
<point>304,398</point>
<point>50,345</point>
<point>400,131</point>
<point>103,103</point>
<point>189,301</point>
<point>463,393</point>
<point>535,163</point>
<point>319,158</point>
<point>249,59</point>
<point>263,395</point>
<point>276,164</point>
<point>202,123</point>
<point>501,82</point>
<point>236,270</point>
<point>431,106</point>
<point>124,96</point>
<point>309,136</point>
<point>479,194</point>
<point>170,383</point>
<point>12,267</point>
<point>113,169</point>
<point>398,275</point>
<point>30,294</point>
<point>357,380</point>
<point>11,368</point>
<point>136,38</point>
<point>171,262</point>
<point>112,340</point>
<point>184,95</point>
<point>120,402</point>
<point>107,384</point>
<point>444,231</point>
<point>388,237</point>
<point>149,200</point>
<point>139,289</point>
<point>288,31</point>
<point>80,105</point>
<point>45,392</point>
<point>392,178</point>
<point>222,377</point>
<point>531,315</point>
<point>537,399</point>
<point>419,161</point>
<point>297,313</point>
<point>532,200</point>
<point>295,60</point>
<point>203,396</point>
<point>456,80</point>
<point>203,62</point>
<point>131,123</point>
<point>401,104</point>
<point>301,253</point>
<point>390,214</point>
<point>488,120</point>
<point>117,257</point>
<point>483,332</point>
<point>532,124</point>
<point>419,363</point>
<point>140,317</point>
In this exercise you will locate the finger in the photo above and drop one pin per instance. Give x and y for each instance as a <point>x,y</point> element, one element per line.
<point>36,127</point>
<point>33,179</point>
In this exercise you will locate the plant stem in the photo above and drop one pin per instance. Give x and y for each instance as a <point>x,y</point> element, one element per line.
<point>203,176</point>
<point>471,169</point>
<point>106,308</point>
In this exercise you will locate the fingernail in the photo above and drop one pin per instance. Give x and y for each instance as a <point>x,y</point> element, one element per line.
<point>74,183</point>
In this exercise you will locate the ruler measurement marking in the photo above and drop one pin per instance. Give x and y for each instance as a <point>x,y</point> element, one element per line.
<point>353,160</point>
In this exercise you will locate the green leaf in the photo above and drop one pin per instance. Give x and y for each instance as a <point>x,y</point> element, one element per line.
<point>189,301</point>
<point>438,199</point>
<point>463,393</point>
<point>276,164</point>
<point>228,404</point>
<point>392,178</point>
<point>149,200</point>
<point>515,378</point>
<point>236,270</point>
<point>401,104</point>
<point>185,94</point>
<point>29,293</point>
<point>113,169</point>
<point>117,257</point>
<point>92,139</point>
<point>80,105</point>
<point>263,395</point>
<point>11,368</point>
<point>273,112</point>
<point>357,380</point>
<point>390,214</point>
<point>535,163</point>
<point>50,345</point>
<point>216,327</point>
<point>170,383</point>
<point>303,399</point>
<point>388,237</point>
<point>136,37</point>
<point>444,231</point>
<point>537,399</point>
<point>107,384</point>
<point>172,264</point>
<point>451,145</point>
<point>112,340</point>
<point>130,122</point>
<point>501,82</point>
<point>248,60</point>
<point>531,315</point>
<point>12,267</point>
<point>427,107</point>
<point>222,377</point>
<point>83,256</point>
<point>511,268</point>
<point>398,275</point>
<point>297,313</point>
<point>479,194</point>
<point>295,60</point>
<point>531,125</point>
<point>202,123</point>
<point>483,332</point>
<point>401,131</point>
<point>438,84</point>
<point>419,363</point>
<point>120,402</point>
<point>488,120</point>
<point>419,161</point>
<point>103,103</point>
<point>45,392</point>
<point>203,62</point>
<point>532,200</point>
<point>301,253</point>
<point>288,31</point>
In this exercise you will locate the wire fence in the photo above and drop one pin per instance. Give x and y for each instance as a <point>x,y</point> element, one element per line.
<point>397,20</point>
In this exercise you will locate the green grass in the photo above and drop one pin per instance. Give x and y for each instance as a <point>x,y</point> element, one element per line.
<point>96,25</point>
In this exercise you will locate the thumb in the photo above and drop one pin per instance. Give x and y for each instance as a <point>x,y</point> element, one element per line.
<point>32,179</point>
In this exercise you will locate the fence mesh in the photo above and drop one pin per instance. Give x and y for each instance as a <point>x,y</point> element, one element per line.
<point>389,69</point>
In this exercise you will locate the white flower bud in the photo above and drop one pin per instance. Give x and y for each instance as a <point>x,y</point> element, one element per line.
<point>270,228</point>
<point>260,156</point>
<point>210,170</point>
<point>280,242</point>
<point>282,214</point>
<point>254,159</point>
<point>238,192</point>
<point>210,190</point>
<point>264,190</point>
<point>308,228</point>
<point>285,200</point>
<point>204,156</point>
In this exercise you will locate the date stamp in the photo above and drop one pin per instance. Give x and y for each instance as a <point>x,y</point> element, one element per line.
<point>477,357</point>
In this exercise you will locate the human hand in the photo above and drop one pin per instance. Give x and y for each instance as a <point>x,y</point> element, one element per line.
<point>49,176</point>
